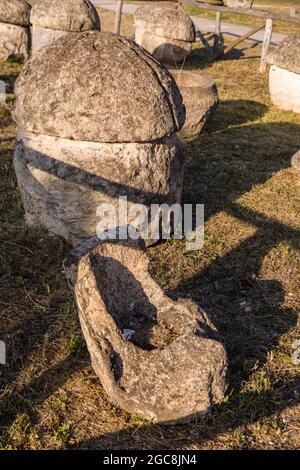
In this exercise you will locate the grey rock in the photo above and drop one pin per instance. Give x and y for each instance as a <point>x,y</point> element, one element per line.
<point>62,182</point>
<point>43,36</point>
<point>173,367</point>
<point>15,12</point>
<point>14,41</point>
<point>165,31</point>
<point>200,97</point>
<point>97,87</point>
<point>296,161</point>
<point>287,54</point>
<point>165,20</point>
<point>65,15</point>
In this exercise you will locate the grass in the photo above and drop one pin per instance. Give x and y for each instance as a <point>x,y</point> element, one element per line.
<point>246,277</point>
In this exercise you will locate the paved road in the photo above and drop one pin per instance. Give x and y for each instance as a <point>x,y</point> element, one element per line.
<point>204,25</point>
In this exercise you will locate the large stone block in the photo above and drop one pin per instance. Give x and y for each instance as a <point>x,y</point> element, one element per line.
<point>165,31</point>
<point>200,97</point>
<point>14,29</point>
<point>63,182</point>
<point>155,357</point>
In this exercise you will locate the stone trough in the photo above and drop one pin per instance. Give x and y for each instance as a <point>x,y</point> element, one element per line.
<point>165,31</point>
<point>52,19</point>
<point>82,143</point>
<point>155,357</point>
<point>14,29</point>
<point>284,77</point>
<point>200,97</point>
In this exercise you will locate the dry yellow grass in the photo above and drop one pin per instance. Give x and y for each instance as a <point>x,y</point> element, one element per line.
<point>240,168</point>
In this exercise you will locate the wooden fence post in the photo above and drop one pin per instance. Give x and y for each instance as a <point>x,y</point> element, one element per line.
<point>118,16</point>
<point>266,45</point>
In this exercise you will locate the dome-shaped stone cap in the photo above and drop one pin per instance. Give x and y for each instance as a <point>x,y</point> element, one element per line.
<point>287,54</point>
<point>166,20</point>
<point>66,15</point>
<point>15,12</point>
<point>97,87</point>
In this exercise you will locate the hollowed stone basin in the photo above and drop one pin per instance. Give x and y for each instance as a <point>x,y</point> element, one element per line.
<point>14,29</point>
<point>155,357</point>
<point>200,97</point>
<point>284,77</point>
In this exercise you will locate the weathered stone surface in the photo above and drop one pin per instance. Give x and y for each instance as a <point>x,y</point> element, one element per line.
<point>97,87</point>
<point>43,36</point>
<point>155,357</point>
<point>200,97</point>
<point>165,20</point>
<point>296,161</point>
<point>165,50</point>
<point>15,12</point>
<point>287,54</point>
<point>165,31</point>
<point>65,15</point>
<point>239,3</point>
<point>14,41</point>
<point>62,182</point>
<point>284,89</point>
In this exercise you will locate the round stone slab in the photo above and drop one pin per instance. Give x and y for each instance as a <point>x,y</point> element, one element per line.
<point>65,15</point>
<point>287,54</point>
<point>15,12</point>
<point>97,87</point>
<point>166,21</point>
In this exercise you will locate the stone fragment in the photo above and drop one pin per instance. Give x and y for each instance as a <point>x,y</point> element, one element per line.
<point>165,31</point>
<point>200,97</point>
<point>14,29</point>
<point>284,76</point>
<point>52,19</point>
<point>172,367</point>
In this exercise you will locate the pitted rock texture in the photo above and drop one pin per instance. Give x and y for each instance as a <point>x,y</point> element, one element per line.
<point>165,20</point>
<point>15,12</point>
<point>296,161</point>
<point>200,98</point>
<point>97,87</point>
<point>155,357</point>
<point>65,15</point>
<point>165,31</point>
<point>62,182</point>
<point>284,89</point>
<point>287,54</point>
<point>14,42</point>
